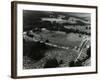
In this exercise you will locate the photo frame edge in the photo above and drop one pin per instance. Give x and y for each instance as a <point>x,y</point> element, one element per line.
<point>14,38</point>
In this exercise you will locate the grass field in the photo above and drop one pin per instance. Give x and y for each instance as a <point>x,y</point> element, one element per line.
<point>67,40</point>
<point>36,54</point>
<point>59,54</point>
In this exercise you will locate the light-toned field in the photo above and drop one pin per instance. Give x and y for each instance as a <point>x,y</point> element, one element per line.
<point>67,40</point>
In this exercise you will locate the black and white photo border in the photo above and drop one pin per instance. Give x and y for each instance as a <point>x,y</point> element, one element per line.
<point>24,6</point>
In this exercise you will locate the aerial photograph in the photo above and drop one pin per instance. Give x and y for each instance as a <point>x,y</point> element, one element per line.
<point>56,39</point>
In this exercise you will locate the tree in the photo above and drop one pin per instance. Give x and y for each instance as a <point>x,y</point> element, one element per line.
<point>51,63</point>
<point>89,52</point>
<point>75,64</point>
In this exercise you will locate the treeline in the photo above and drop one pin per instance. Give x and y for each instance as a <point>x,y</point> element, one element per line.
<point>56,27</point>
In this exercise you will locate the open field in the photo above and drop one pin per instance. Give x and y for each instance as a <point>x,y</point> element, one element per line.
<point>67,40</point>
<point>54,53</point>
<point>37,54</point>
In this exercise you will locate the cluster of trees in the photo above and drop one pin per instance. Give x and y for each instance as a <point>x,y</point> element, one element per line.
<point>76,31</point>
<point>52,63</point>
<point>56,27</point>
